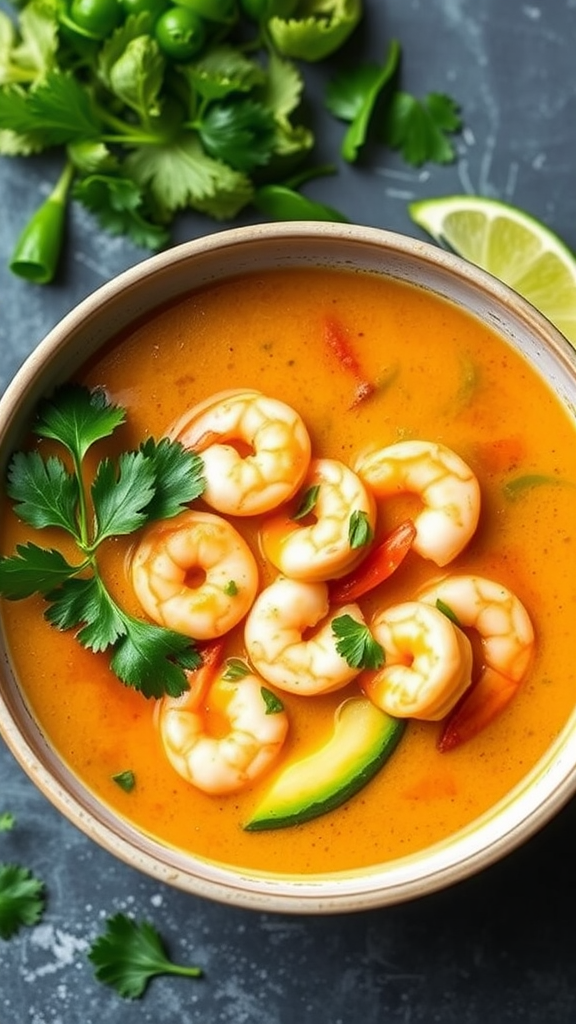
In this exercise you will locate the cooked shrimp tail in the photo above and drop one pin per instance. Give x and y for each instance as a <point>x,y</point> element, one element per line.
<point>507,638</point>
<point>478,708</point>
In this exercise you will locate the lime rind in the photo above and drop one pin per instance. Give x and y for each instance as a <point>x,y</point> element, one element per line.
<point>510,244</point>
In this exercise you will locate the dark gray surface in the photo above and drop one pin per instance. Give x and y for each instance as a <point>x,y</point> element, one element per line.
<point>500,947</point>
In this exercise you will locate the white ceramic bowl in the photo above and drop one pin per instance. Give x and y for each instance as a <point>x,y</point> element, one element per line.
<point>114,306</point>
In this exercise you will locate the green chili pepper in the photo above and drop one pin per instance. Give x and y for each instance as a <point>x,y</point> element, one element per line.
<point>36,253</point>
<point>282,203</point>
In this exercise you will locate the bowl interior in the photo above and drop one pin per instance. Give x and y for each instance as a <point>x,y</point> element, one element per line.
<point>127,299</point>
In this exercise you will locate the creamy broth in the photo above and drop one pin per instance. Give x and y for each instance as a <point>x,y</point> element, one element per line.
<point>441,376</point>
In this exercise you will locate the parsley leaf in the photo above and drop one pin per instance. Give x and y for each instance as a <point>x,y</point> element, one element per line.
<point>46,494</point>
<point>179,477</point>
<point>355,643</point>
<point>129,954</point>
<point>57,109</point>
<point>157,481</point>
<point>21,899</point>
<point>77,418</point>
<point>273,703</point>
<point>153,659</point>
<point>419,128</point>
<point>7,821</point>
<point>236,668</point>
<point>32,570</point>
<point>120,494</point>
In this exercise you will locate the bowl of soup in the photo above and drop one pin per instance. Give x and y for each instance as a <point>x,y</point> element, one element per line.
<point>288,568</point>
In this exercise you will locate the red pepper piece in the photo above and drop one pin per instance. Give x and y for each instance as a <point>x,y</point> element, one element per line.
<point>339,344</point>
<point>380,563</point>
<point>479,706</point>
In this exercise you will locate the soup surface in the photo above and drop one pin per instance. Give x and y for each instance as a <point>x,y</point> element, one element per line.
<point>439,375</point>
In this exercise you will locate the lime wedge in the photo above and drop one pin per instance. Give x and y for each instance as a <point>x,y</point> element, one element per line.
<point>510,244</point>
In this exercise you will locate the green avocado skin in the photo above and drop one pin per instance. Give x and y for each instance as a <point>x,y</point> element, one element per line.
<point>364,738</point>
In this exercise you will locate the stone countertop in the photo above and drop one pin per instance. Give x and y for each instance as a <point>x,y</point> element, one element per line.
<point>500,947</point>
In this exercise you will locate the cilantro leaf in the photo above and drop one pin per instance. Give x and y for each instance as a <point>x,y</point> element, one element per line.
<point>179,477</point>
<point>308,502</point>
<point>57,110</point>
<point>180,174</point>
<point>153,659</point>
<point>77,418</point>
<point>274,705</point>
<point>418,128</point>
<point>323,28</point>
<point>7,821</point>
<point>129,954</point>
<point>84,602</point>
<point>118,203</point>
<point>355,643</point>
<point>21,899</point>
<point>33,570</point>
<point>30,57</point>
<point>126,780</point>
<point>236,668</point>
<point>46,494</point>
<point>352,97</point>
<point>137,76</point>
<point>238,132</point>
<point>120,494</point>
<point>223,70</point>
<point>360,532</point>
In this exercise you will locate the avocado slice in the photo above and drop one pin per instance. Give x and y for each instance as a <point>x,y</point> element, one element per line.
<point>364,737</point>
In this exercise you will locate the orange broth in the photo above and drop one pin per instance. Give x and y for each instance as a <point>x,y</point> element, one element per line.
<point>442,376</point>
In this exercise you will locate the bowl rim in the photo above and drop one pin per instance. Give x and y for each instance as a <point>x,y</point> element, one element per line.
<point>529,806</point>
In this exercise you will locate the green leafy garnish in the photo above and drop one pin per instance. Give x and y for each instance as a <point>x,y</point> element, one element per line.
<point>352,97</point>
<point>126,780</point>
<point>519,484</point>
<point>360,531</point>
<point>307,503</point>
<point>129,954</point>
<point>21,899</point>
<point>155,482</point>
<point>236,668</point>
<point>420,128</point>
<point>355,643</point>
<point>7,821</point>
<point>231,588</point>
<point>143,136</point>
<point>448,612</point>
<point>273,703</point>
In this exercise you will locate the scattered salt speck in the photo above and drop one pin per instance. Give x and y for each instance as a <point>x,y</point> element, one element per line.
<point>534,13</point>
<point>157,899</point>
<point>468,136</point>
<point>62,947</point>
<point>539,161</point>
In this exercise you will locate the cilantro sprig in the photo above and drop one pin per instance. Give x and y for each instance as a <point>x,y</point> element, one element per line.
<point>155,482</point>
<point>355,643</point>
<point>129,954</point>
<point>21,899</point>
<point>144,136</point>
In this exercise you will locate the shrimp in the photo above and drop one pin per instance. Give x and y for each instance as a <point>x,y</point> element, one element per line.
<point>273,636</point>
<point>194,574</point>
<point>447,487</point>
<point>245,740</point>
<point>507,637</point>
<point>255,450</point>
<point>325,548</point>
<point>428,662</point>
